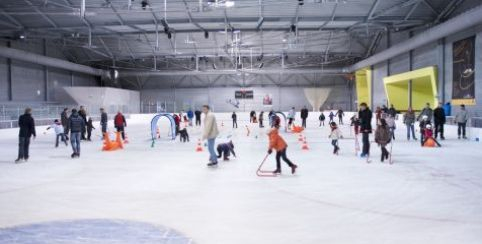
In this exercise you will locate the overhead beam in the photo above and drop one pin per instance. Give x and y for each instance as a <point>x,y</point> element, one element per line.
<point>21,55</point>
<point>334,71</point>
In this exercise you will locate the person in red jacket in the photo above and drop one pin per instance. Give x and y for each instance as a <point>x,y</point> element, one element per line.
<point>428,135</point>
<point>277,143</point>
<point>120,124</point>
<point>177,121</point>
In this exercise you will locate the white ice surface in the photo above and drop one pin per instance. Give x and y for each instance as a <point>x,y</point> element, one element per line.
<point>426,196</point>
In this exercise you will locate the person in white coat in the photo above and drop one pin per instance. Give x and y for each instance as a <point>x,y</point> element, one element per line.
<point>210,133</point>
<point>59,132</point>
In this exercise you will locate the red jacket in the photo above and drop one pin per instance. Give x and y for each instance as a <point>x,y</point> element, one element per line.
<point>120,120</point>
<point>276,142</point>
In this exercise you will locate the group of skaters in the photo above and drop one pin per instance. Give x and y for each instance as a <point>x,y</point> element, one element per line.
<point>75,127</point>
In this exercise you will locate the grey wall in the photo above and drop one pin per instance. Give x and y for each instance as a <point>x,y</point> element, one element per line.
<point>435,54</point>
<point>36,83</point>
<point>283,98</point>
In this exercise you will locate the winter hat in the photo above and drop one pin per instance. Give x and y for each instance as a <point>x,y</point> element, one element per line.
<point>429,126</point>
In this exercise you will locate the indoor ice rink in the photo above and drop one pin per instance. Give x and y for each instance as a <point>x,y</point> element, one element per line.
<point>162,121</point>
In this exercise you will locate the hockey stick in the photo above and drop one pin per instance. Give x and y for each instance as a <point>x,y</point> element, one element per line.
<point>264,173</point>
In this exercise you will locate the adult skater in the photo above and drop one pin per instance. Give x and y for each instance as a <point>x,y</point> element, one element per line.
<point>261,118</point>
<point>427,111</point>
<point>83,115</point>
<point>439,121</point>
<point>235,120</point>
<point>291,116</point>
<point>59,132</point>
<point>226,149</point>
<point>390,121</point>
<point>271,117</point>
<point>197,114</point>
<point>120,124</point>
<point>409,121</point>
<point>76,125</point>
<point>335,135</point>
<point>365,117</point>
<point>210,133</point>
<point>322,119</point>
<point>304,116</point>
<point>340,115</point>
<point>26,125</point>
<point>277,143</point>
<point>103,121</point>
<point>461,118</point>
<point>382,138</point>
<point>64,119</point>
<point>190,116</point>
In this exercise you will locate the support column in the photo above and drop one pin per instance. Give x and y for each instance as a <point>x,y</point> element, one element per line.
<point>9,76</point>
<point>441,70</point>
<point>410,66</point>
<point>46,74</point>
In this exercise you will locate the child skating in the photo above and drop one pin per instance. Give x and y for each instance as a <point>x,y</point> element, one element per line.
<point>428,134</point>
<point>322,119</point>
<point>383,137</point>
<point>331,116</point>
<point>423,124</point>
<point>277,143</point>
<point>90,127</point>
<point>59,132</point>
<point>225,150</point>
<point>335,135</point>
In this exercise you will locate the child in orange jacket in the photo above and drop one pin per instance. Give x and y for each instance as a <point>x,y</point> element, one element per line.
<point>277,143</point>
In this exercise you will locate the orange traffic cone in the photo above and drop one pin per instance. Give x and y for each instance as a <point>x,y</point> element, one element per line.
<point>199,148</point>
<point>305,145</point>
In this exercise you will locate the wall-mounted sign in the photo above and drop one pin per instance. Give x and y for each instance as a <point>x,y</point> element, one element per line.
<point>243,94</point>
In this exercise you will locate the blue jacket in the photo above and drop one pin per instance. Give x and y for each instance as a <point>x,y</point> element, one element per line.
<point>448,109</point>
<point>190,114</point>
<point>76,123</point>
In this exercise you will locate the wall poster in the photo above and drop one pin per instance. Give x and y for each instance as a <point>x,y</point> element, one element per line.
<point>463,85</point>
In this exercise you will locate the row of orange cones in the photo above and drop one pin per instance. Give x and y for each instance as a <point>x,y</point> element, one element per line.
<point>304,145</point>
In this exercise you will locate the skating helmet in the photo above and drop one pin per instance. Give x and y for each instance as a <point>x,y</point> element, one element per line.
<point>429,126</point>
<point>277,121</point>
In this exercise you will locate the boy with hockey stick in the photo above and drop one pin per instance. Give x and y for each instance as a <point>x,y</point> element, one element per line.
<point>277,143</point>
<point>383,137</point>
<point>334,136</point>
<point>59,132</point>
<point>226,149</point>
<point>428,133</point>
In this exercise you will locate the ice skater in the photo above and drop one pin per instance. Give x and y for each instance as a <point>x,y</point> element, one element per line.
<point>291,117</point>
<point>390,121</point>
<point>59,132</point>
<point>225,150</point>
<point>383,138</point>
<point>235,120</point>
<point>183,134</point>
<point>277,143</point>
<point>331,116</point>
<point>120,124</point>
<point>365,116</point>
<point>461,119</point>
<point>210,133</point>
<point>261,119</point>
<point>76,125</point>
<point>428,134</point>
<point>322,119</point>
<point>355,122</point>
<point>90,127</point>
<point>423,125</point>
<point>340,115</point>
<point>26,123</point>
<point>335,135</point>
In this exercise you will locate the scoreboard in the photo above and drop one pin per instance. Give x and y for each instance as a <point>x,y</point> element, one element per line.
<point>243,94</point>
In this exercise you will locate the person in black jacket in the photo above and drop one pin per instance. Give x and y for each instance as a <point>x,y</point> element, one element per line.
<point>197,114</point>
<point>26,123</point>
<point>103,121</point>
<point>365,116</point>
<point>252,116</point>
<point>340,115</point>
<point>261,119</point>
<point>235,120</point>
<point>439,121</point>
<point>64,120</point>
<point>83,115</point>
<point>304,116</point>
<point>76,125</point>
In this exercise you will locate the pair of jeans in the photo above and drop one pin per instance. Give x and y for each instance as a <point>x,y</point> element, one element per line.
<point>75,142</point>
<point>261,123</point>
<point>461,129</point>
<point>23,146</point>
<point>235,124</point>
<point>366,143</point>
<point>198,121</point>
<point>62,137</point>
<point>213,158</point>
<point>282,155</point>
<point>411,128</point>
<point>340,120</point>
<point>303,123</point>
<point>392,132</point>
<point>335,146</point>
